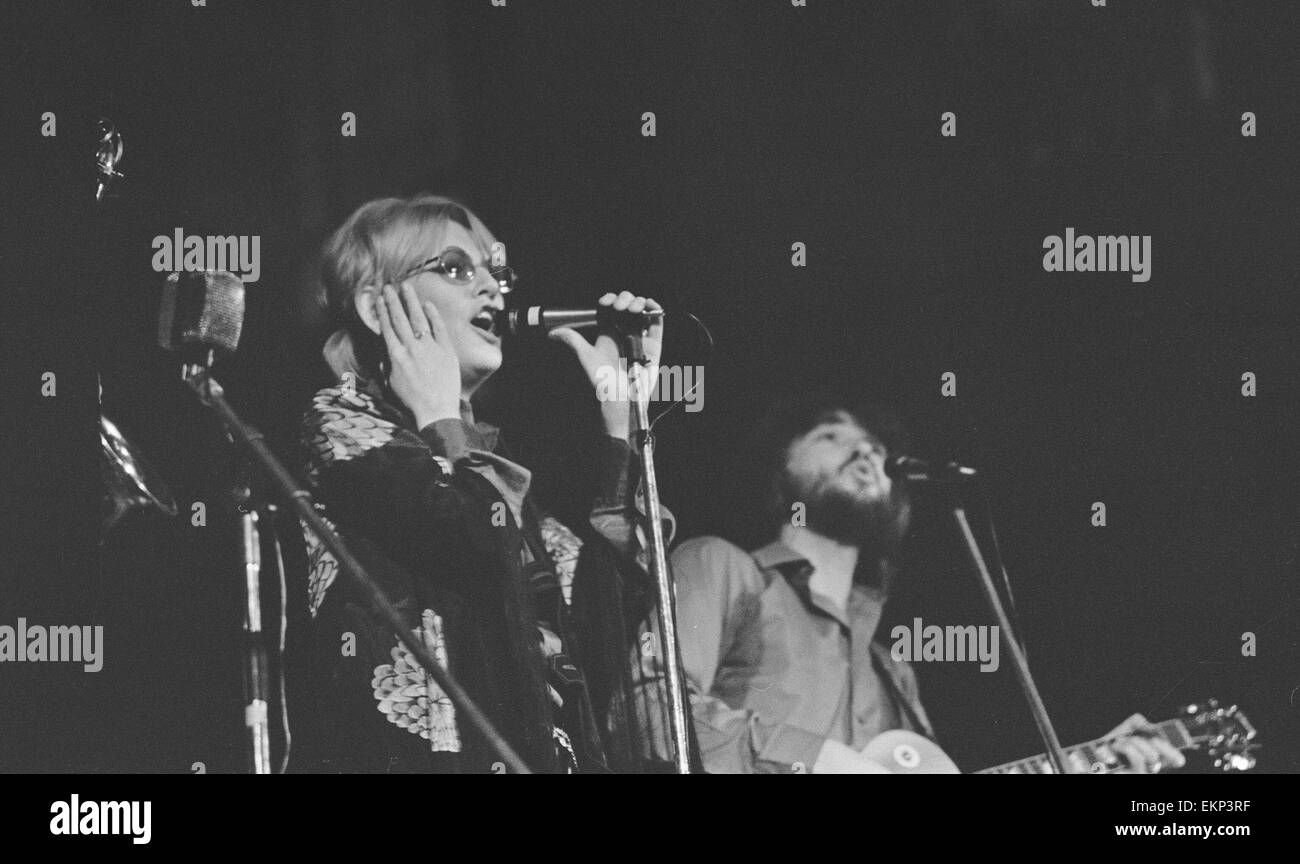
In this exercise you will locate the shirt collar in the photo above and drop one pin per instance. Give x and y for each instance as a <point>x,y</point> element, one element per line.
<point>798,570</point>
<point>479,436</point>
<point>776,556</point>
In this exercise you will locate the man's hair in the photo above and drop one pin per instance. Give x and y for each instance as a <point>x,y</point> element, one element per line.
<point>765,487</point>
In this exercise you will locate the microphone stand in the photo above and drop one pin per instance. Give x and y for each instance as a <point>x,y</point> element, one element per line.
<point>670,648</point>
<point>254,511</point>
<point>256,667</point>
<point>1012,642</point>
<point>211,394</point>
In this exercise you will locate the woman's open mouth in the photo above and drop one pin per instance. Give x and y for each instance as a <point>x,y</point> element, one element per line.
<point>485,323</point>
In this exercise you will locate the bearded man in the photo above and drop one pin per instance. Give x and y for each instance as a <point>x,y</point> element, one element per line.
<point>779,644</point>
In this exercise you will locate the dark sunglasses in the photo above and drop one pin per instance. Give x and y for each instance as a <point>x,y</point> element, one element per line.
<point>454,264</point>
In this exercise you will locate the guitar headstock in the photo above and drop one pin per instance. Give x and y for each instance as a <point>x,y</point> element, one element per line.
<point>1223,733</point>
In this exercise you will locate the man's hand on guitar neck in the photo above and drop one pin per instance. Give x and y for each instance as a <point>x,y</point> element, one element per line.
<point>1146,753</point>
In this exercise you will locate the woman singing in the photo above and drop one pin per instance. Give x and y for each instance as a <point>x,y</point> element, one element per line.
<point>525,613</point>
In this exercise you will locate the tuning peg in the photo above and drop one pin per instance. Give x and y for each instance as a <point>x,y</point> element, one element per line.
<point>1235,762</point>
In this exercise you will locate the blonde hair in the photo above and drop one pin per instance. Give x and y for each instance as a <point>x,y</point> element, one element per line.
<point>375,246</point>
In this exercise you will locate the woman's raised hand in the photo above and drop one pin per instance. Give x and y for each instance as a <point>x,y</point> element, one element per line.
<point>600,361</point>
<point>425,372</point>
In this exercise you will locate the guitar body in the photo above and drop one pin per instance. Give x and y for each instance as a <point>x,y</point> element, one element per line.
<point>908,753</point>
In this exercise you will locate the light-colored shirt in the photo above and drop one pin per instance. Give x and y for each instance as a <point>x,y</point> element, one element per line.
<point>774,670</point>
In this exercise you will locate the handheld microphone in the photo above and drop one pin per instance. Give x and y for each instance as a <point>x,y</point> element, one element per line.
<point>919,471</point>
<point>540,319</point>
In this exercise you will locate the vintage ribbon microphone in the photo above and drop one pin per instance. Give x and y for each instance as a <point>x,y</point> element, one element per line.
<point>201,314</point>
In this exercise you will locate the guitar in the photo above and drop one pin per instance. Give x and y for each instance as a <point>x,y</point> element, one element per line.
<point>1223,733</point>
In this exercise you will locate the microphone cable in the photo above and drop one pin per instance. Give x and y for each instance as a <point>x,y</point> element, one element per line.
<point>708,352</point>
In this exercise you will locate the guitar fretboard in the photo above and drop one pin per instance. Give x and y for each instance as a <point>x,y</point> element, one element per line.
<point>1094,757</point>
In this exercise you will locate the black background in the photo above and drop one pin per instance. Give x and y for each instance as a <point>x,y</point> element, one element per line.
<point>775,124</point>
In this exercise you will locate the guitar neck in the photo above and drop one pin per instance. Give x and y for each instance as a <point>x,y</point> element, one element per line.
<point>1095,757</point>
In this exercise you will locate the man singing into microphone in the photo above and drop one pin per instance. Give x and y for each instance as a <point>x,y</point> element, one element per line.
<point>511,601</point>
<point>779,644</point>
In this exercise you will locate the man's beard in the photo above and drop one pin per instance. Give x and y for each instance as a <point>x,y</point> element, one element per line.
<point>873,524</point>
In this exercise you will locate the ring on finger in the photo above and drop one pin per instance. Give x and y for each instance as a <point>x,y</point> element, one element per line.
<point>418,334</point>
